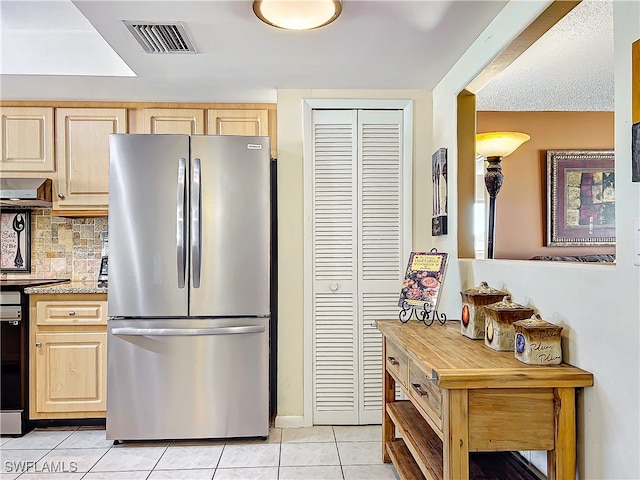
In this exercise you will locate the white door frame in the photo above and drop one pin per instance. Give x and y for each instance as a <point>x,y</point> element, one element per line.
<point>307,135</point>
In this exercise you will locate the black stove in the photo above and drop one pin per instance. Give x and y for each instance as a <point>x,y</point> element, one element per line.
<point>14,352</point>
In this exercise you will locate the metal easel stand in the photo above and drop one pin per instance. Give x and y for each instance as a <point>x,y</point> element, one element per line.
<point>422,314</point>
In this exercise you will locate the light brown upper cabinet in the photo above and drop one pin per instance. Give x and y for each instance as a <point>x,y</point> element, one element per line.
<point>189,121</point>
<point>241,122</point>
<point>82,152</point>
<point>27,140</point>
<point>238,122</point>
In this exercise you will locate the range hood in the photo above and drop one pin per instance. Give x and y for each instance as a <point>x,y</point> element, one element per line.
<point>25,192</point>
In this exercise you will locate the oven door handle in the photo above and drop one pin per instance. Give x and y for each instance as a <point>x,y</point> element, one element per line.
<point>10,314</point>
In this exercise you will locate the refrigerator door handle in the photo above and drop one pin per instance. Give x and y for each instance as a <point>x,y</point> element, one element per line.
<point>180,221</point>
<point>196,259</point>
<point>182,332</point>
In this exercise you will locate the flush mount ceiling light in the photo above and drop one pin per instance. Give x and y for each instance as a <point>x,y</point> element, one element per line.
<point>297,14</point>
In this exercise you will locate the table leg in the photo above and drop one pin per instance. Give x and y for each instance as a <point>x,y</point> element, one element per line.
<point>389,393</point>
<point>561,461</point>
<point>455,409</point>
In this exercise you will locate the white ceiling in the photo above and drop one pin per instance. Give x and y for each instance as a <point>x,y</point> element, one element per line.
<point>80,50</point>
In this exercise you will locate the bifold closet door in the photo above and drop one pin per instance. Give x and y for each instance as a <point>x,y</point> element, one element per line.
<point>358,240</point>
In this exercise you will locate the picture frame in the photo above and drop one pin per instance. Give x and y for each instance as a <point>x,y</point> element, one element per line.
<point>580,198</point>
<point>15,240</point>
<point>440,199</point>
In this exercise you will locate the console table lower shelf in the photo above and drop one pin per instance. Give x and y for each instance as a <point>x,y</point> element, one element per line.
<point>420,449</point>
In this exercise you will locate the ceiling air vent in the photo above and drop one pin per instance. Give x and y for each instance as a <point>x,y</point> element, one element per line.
<point>161,37</point>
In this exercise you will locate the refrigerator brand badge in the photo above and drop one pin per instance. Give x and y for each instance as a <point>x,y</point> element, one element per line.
<point>253,146</point>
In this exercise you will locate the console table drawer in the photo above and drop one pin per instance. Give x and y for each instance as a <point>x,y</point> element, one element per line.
<point>423,388</point>
<point>397,363</point>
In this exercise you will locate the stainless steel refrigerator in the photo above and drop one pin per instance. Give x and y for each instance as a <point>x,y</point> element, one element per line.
<point>188,302</point>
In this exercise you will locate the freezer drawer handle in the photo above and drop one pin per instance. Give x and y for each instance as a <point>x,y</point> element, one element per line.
<point>185,332</point>
<point>180,226</point>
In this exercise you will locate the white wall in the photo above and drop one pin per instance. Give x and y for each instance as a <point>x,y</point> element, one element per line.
<point>598,305</point>
<point>290,403</point>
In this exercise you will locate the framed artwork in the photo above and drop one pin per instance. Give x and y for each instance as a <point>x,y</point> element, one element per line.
<point>15,241</point>
<point>580,198</point>
<point>439,176</point>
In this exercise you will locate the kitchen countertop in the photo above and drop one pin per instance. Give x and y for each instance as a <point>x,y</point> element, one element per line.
<point>69,287</point>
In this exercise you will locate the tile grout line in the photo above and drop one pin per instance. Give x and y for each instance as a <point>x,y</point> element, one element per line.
<point>335,438</point>
<point>280,453</point>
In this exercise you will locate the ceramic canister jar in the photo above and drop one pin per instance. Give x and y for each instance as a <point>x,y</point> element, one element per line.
<point>499,333</point>
<point>538,342</point>
<point>473,302</point>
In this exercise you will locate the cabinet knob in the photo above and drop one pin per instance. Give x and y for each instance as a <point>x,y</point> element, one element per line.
<point>61,196</point>
<point>38,344</point>
<point>333,287</point>
<point>71,313</point>
<point>393,361</point>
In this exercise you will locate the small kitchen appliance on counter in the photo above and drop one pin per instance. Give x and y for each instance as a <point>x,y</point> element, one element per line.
<point>189,287</point>
<point>104,260</point>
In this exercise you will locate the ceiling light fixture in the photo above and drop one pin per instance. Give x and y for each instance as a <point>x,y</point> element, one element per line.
<point>297,14</point>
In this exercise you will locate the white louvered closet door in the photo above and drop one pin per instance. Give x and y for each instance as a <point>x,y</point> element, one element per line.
<point>380,245</point>
<point>358,257</point>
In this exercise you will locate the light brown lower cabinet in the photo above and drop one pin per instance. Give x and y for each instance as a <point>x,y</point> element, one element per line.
<point>68,356</point>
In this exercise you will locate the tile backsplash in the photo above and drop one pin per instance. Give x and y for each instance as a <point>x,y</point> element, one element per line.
<point>64,247</point>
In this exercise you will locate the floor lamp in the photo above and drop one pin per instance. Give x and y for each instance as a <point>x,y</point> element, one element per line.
<point>494,146</point>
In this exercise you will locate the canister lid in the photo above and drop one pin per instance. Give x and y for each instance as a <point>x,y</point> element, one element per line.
<point>536,323</point>
<point>507,304</point>
<point>483,289</point>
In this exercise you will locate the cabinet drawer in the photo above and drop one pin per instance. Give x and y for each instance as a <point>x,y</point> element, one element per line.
<point>71,312</point>
<point>397,363</point>
<point>424,389</point>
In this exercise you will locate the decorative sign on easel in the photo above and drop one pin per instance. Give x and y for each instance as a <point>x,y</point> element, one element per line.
<point>421,287</point>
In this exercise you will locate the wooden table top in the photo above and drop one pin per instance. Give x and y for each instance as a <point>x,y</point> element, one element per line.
<point>461,362</point>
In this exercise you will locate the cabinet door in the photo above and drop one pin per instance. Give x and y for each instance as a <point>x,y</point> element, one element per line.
<point>82,150</point>
<point>27,139</point>
<point>70,371</point>
<point>238,122</point>
<point>188,121</point>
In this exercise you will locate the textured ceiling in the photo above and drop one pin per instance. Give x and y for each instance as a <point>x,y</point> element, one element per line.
<point>569,69</point>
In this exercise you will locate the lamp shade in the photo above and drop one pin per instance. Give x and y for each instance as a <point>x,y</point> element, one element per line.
<point>297,14</point>
<point>499,144</point>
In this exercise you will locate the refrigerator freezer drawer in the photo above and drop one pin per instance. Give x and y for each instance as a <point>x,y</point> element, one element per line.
<point>188,378</point>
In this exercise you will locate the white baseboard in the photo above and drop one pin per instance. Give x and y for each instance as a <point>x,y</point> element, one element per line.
<point>291,421</point>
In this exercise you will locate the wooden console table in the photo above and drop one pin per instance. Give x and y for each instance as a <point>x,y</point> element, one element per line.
<point>465,397</point>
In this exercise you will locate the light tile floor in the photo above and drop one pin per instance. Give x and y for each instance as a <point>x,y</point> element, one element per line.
<point>316,453</point>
